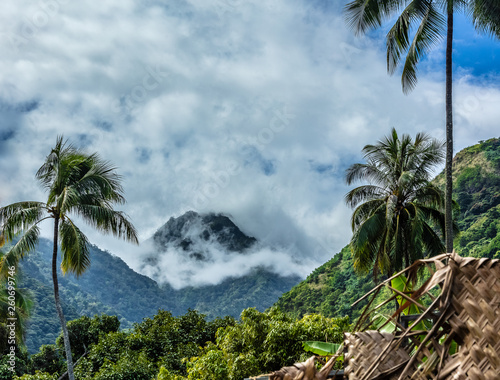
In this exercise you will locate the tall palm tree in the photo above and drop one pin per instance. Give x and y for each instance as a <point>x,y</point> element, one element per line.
<point>398,217</point>
<point>420,25</point>
<point>78,184</point>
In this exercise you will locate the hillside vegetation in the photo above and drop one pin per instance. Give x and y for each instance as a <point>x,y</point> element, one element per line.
<point>477,189</point>
<point>329,290</point>
<point>333,287</point>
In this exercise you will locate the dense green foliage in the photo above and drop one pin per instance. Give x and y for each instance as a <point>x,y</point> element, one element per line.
<point>44,325</point>
<point>477,189</point>
<point>21,364</point>
<point>15,308</point>
<point>259,289</point>
<point>184,347</point>
<point>261,343</point>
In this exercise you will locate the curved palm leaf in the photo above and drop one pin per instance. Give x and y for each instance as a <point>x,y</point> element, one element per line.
<point>429,33</point>
<point>22,298</point>
<point>20,312</point>
<point>108,221</point>
<point>365,210</point>
<point>363,193</point>
<point>485,15</point>
<point>26,243</point>
<point>74,247</point>
<point>363,15</point>
<point>20,216</point>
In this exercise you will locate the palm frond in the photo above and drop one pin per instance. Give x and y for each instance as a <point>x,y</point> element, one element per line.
<point>26,243</point>
<point>19,216</point>
<point>7,261</point>
<point>432,242</point>
<point>74,247</point>
<point>55,170</point>
<point>24,301</point>
<point>415,231</point>
<point>21,311</point>
<point>430,194</point>
<point>365,241</point>
<point>101,179</point>
<point>432,215</point>
<point>429,32</point>
<point>108,220</point>
<point>67,199</point>
<point>398,39</point>
<point>367,172</point>
<point>485,15</point>
<point>382,262</point>
<point>366,210</point>
<point>363,194</point>
<point>362,15</point>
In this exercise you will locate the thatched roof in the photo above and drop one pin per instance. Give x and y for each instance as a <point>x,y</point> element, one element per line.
<point>465,312</point>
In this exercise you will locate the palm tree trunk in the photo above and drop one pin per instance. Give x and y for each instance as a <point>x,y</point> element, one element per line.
<point>67,347</point>
<point>449,134</point>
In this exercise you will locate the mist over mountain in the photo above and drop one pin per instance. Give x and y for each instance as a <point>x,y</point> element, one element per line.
<point>222,271</point>
<point>195,250</point>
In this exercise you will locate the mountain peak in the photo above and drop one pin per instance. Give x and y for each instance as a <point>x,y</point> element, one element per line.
<point>185,231</point>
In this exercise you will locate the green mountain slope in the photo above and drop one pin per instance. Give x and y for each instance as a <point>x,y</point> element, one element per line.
<point>333,287</point>
<point>329,290</point>
<point>109,287</point>
<point>260,289</point>
<point>477,189</point>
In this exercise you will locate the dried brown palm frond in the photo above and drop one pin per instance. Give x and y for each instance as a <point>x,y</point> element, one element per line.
<point>464,340</point>
<point>304,371</point>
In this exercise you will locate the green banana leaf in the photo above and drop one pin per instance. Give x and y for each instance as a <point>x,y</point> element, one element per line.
<point>321,348</point>
<point>401,284</point>
<point>379,319</point>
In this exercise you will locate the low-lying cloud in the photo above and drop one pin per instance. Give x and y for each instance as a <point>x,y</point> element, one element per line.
<point>178,270</point>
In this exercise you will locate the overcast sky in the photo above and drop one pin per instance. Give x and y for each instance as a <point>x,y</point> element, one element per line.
<point>247,107</point>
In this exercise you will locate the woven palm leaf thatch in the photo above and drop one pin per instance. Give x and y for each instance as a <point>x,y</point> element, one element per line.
<point>466,313</point>
<point>370,344</point>
<point>304,371</point>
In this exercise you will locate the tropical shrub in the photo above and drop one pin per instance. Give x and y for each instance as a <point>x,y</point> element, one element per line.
<point>263,342</point>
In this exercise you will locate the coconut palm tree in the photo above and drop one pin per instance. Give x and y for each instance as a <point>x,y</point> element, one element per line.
<point>398,217</point>
<point>78,184</point>
<point>419,25</point>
